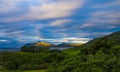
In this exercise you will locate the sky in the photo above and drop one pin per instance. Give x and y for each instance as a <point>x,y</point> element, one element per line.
<point>56,21</point>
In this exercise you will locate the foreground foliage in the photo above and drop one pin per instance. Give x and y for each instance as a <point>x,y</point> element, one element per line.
<point>98,62</point>
<point>30,61</point>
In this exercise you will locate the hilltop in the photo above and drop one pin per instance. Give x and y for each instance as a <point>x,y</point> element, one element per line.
<point>44,44</point>
<point>36,47</point>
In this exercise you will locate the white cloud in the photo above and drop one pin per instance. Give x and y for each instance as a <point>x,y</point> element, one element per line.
<point>49,10</point>
<point>12,33</point>
<point>60,22</point>
<point>59,40</point>
<point>77,40</point>
<point>4,41</point>
<point>87,25</point>
<point>7,6</point>
<point>70,40</point>
<point>57,9</point>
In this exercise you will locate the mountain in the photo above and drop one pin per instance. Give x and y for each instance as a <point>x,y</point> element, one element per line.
<point>39,44</point>
<point>69,45</point>
<point>111,40</point>
<point>45,44</point>
<point>36,47</point>
<point>76,44</point>
<point>63,45</point>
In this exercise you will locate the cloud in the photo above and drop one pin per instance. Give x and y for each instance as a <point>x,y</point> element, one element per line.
<point>8,5</point>
<point>4,41</point>
<point>77,40</point>
<point>21,30</point>
<point>99,34</point>
<point>102,20</point>
<point>109,4</point>
<point>60,22</point>
<point>57,9</point>
<point>28,39</point>
<point>72,40</point>
<point>48,10</point>
<point>106,17</point>
<point>87,25</point>
<point>59,40</point>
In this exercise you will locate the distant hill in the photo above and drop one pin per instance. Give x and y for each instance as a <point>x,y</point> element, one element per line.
<point>39,44</point>
<point>75,44</point>
<point>36,47</point>
<point>69,44</point>
<point>63,45</point>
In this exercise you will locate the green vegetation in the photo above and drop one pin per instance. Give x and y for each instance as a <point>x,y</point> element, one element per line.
<point>99,55</point>
<point>36,71</point>
<point>30,61</point>
<point>89,61</point>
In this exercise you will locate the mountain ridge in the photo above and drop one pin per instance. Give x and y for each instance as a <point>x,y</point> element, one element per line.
<point>112,38</point>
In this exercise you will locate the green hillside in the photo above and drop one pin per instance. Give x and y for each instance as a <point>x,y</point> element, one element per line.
<point>112,39</point>
<point>99,55</point>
